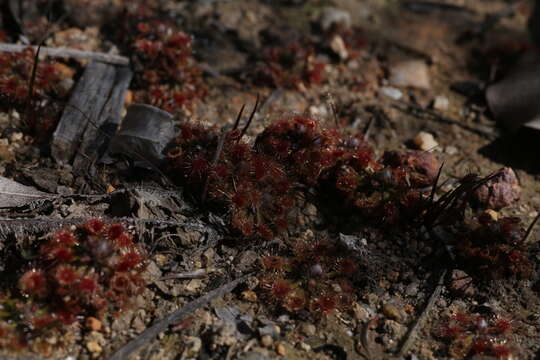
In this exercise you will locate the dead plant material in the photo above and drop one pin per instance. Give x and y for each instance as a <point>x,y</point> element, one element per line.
<point>68,53</point>
<point>174,317</point>
<point>419,323</point>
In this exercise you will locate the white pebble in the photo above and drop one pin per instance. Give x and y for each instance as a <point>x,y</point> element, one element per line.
<point>425,141</point>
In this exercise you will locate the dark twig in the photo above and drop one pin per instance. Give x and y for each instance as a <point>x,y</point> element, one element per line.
<point>334,110</point>
<point>367,129</point>
<point>411,335</point>
<point>31,84</point>
<point>530,229</point>
<point>435,183</point>
<point>149,334</point>
<point>237,121</point>
<point>250,119</point>
<point>440,118</point>
<point>219,149</point>
<point>195,274</point>
<point>450,199</point>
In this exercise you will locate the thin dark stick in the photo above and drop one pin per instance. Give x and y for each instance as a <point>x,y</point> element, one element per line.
<point>195,274</point>
<point>149,334</point>
<point>250,118</point>
<point>411,336</point>
<point>434,189</point>
<point>239,117</point>
<point>530,229</point>
<point>219,149</point>
<point>31,83</point>
<point>438,117</point>
<point>367,128</point>
<point>450,198</point>
<point>332,104</point>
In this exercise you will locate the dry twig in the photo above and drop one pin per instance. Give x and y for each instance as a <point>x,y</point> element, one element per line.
<point>411,336</point>
<point>149,334</point>
<point>68,53</point>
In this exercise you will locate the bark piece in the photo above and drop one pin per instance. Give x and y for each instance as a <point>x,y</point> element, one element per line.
<point>145,132</point>
<point>90,106</point>
<point>97,139</point>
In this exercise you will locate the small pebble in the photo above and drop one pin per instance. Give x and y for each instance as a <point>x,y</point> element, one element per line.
<point>499,192</point>
<point>412,289</point>
<point>441,103</point>
<point>493,215</point>
<point>306,347</point>
<point>93,324</point>
<point>462,284</point>
<point>16,136</point>
<point>249,295</point>
<point>267,341</point>
<point>128,98</point>
<point>280,349</point>
<point>94,347</point>
<point>338,46</point>
<point>391,92</point>
<point>391,311</point>
<point>316,270</point>
<point>283,318</point>
<point>6,155</point>
<point>410,73</point>
<point>451,150</point>
<point>425,141</point>
<point>308,329</point>
<point>361,313</point>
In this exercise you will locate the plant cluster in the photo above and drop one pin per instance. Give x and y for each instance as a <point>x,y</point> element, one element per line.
<point>258,186</point>
<point>493,248</point>
<point>293,65</point>
<point>41,107</point>
<point>483,244</point>
<point>472,334</point>
<point>224,171</point>
<point>166,74</point>
<point>317,277</point>
<point>93,270</point>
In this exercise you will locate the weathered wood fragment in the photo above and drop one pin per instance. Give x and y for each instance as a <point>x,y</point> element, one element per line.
<point>97,136</point>
<point>68,53</point>
<point>145,132</point>
<point>94,101</point>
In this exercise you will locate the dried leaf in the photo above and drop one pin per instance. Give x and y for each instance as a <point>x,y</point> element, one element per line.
<point>13,194</point>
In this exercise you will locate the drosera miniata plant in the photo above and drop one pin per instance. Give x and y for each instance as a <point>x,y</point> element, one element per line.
<point>293,65</point>
<point>257,185</point>
<point>91,270</point>
<point>42,106</point>
<point>166,74</point>
<point>317,277</point>
<point>472,334</point>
